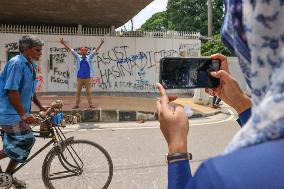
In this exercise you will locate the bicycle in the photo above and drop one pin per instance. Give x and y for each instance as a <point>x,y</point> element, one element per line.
<point>70,163</point>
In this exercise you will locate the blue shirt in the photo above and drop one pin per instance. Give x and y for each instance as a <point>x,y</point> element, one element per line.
<point>84,71</point>
<point>17,75</point>
<point>89,59</point>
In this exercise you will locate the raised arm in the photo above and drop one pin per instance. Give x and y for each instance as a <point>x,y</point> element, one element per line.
<point>174,126</point>
<point>65,45</point>
<point>98,48</point>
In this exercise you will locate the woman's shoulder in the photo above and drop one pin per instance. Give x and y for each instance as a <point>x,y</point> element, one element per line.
<point>250,167</point>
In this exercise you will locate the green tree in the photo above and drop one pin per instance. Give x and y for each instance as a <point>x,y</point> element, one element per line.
<point>186,15</point>
<point>210,47</point>
<point>191,15</point>
<point>157,22</point>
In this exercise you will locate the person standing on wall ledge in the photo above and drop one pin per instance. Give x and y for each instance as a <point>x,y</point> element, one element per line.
<point>84,70</point>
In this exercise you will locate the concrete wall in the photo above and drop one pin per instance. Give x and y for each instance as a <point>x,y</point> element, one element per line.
<point>237,73</point>
<point>124,64</point>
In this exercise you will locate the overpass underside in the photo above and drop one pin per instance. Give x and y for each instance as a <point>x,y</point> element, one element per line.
<point>98,13</point>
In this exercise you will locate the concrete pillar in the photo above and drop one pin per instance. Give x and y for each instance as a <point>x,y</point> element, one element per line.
<point>80,29</point>
<point>210,22</point>
<point>201,97</point>
<point>112,30</point>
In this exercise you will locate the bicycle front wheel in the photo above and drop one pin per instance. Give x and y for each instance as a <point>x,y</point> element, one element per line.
<point>78,164</point>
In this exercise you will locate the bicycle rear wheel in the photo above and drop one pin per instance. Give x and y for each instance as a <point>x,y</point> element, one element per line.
<point>78,164</point>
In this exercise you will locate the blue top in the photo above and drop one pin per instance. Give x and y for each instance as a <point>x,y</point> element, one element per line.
<point>89,59</point>
<point>244,116</point>
<point>17,75</point>
<point>84,71</point>
<point>231,171</point>
<point>255,167</point>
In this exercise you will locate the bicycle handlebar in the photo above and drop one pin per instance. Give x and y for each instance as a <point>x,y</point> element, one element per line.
<point>53,107</point>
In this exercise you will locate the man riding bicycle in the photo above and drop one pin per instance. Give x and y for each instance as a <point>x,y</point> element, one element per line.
<point>17,91</point>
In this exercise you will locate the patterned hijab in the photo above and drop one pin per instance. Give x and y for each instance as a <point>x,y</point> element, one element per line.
<point>254,31</point>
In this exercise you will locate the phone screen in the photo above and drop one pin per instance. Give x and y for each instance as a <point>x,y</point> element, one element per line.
<point>181,73</point>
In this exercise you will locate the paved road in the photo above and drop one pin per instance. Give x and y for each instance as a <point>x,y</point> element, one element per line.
<point>137,150</point>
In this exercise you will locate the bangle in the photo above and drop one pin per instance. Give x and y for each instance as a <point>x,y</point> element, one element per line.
<point>170,158</point>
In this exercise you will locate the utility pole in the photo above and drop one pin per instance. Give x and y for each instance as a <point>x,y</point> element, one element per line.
<point>210,22</point>
<point>200,97</point>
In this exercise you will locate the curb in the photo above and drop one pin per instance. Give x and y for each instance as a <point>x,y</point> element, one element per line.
<point>200,115</point>
<point>100,115</point>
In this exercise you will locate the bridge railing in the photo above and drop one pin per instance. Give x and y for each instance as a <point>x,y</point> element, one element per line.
<point>53,30</point>
<point>93,31</point>
<point>161,34</point>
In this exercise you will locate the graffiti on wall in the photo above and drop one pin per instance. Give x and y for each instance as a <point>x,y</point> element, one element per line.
<point>12,50</point>
<point>117,64</point>
<point>58,71</point>
<point>12,46</point>
<point>39,78</point>
<point>57,55</point>
<point>59,76</point>
<point>189,49</point>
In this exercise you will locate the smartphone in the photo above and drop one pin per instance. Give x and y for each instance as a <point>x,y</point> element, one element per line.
<point>186,73</point>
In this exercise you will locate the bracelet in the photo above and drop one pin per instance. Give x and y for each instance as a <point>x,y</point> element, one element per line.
<point>170,158</point>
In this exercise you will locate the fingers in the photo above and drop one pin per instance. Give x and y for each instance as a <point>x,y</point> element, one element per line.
<point>171,98</point>
<point>158,106</point>
<point>213,91</point>
<point>219,56</point>
<point>179,110</point>
<point>224,63</point>
<point>222,75</point>
<point>210,91</point>
<point>164,97</point>
<point>36,119</point>
<point>30,120</point>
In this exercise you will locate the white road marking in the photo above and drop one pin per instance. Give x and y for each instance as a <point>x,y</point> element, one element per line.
<point>214,122</point>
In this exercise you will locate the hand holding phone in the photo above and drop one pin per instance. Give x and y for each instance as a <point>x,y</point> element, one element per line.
<point>184,73</point>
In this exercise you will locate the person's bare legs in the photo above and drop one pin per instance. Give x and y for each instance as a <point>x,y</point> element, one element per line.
<point>78,93</point>
<point>16,182</point>
<point>88,85</point>
<point>2,154</point>
<point>11,166</point>
<point>19,127</point>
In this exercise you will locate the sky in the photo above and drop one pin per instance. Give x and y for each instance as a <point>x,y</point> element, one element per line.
<point>146,13</point>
